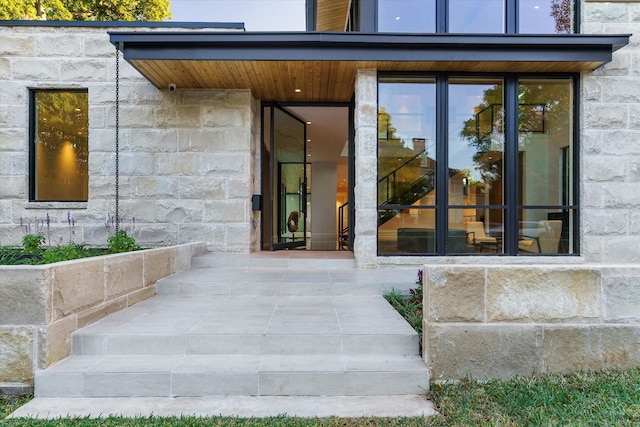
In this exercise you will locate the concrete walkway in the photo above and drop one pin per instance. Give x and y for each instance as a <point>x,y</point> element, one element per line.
<point>297,333</point>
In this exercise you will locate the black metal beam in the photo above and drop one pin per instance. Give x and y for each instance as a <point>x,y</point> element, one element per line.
<point>368,47</point>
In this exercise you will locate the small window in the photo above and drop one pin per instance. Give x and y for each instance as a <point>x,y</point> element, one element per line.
<point>59,148</point>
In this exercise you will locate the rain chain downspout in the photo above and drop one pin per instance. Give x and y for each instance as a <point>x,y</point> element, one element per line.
<point>117,138</point>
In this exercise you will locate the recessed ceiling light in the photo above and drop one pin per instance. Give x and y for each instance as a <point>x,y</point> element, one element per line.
<point>297,90</point>
<point>397,18</point>
<point>308,123</point>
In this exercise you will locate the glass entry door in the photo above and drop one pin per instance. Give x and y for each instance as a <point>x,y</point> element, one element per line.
<point>288,178</point>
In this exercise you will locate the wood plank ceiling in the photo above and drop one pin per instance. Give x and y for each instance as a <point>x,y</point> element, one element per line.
<point>332,15</point>
<point>318,81</point>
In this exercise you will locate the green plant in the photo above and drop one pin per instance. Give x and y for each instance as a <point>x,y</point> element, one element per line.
<point>121,242</point>
<point>61,253</point>
<point>409,306</point>
<point>31,243</point>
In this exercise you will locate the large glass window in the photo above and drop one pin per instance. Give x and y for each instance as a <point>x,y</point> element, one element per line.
<point>59,145</point>
<point>476,16</point>
<point>546,16</point>
<point>500,190</point>
<point>407,16</point>
<point>406,160</point>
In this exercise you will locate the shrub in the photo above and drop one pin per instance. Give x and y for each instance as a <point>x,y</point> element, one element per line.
<point>121,242</point>
<point>31,243</point>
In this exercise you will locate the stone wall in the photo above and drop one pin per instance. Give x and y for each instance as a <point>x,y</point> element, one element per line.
<point>504,320</point>
<point>40,306</point>
<point>185,156</point>
<point>610,140</point>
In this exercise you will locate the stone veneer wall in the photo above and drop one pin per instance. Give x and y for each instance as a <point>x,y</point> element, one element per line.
<point>40,306</point>
<point>502,320</point>
<point>610,140</point>
<point>185,162</point>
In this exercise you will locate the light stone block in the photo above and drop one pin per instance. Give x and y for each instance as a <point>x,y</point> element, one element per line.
<point>202,97</point>
<point>84,71</point>
<point>98,46</point>
<point>140,116</point>
<point>621,194</point>
<point>23,296</point>
<point>59,338</point>
<point>456,351</point>
<point>633,168</point>
<point>239,98</point>
<point>40,70</point>
<point>16,354</point>
<point>604,221</point>
<point>219,116</point>
<point>239,188</point>
<point>123,274</point>
<point>454,294</point>
<point>63,45</point>
<point>619,66</point>
<point>144,93</point>
<point>180,117</point>
<point>621,250</point>
<point>605,116</point>
<point>157,265</point>
<point>76,285</point>
<point>621,295</point>
<point>603,168</point>
<point>154,187</point>
<point>620,142</point>
<point>235,139</point>
<point>18,45</point>
<point>543,295</point>
<point>592,89</point>
<point>605,12</point>
<point>154,141</point>
<point>179,211</point>
<point>225,211</point>
<point>135,164</point>
<point>200,140</point>
<point>634,221</point>
<point>202,188</point>
<point>13,140</point>
<point>570,348</point>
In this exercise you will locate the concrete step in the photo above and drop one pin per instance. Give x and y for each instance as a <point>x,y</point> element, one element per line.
<point>394,344</point>
<point>210,281</point>
<point>278,260</point>
<point>266,375</point>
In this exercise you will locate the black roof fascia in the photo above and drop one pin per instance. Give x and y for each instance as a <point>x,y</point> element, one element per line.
<point>125,24</point>
<point>366,47</point>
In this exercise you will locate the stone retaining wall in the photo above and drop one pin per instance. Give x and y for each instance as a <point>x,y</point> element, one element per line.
<point>504,320</point>
<point>40,306</point>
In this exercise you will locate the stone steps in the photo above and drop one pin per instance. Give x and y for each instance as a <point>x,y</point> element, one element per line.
<point>248,330</point>
<point>250,375</point>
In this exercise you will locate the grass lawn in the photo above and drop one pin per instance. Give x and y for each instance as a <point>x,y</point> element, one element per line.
<point>582,399</point>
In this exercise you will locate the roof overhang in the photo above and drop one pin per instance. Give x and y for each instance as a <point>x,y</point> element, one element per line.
<point>323,65</point>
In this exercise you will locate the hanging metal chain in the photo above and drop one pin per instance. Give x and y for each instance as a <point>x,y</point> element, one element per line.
<point>117,139</point>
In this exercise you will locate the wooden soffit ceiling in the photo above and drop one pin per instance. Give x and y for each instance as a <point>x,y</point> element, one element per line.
<point>323,66</point>
<point>331,15</point>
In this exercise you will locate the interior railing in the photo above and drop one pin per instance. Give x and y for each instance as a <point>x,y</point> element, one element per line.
<point>343,227</point>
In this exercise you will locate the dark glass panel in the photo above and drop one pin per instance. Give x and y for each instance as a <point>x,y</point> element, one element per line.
<point>61,142</point>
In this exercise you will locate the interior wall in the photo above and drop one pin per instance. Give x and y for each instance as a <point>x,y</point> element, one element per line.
<point>323,206</point>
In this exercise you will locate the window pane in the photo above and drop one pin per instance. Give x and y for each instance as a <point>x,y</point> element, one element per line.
<point>406,158</point>
<point>546,16</point>
<point>481,227</point>
<point>546,142</point>
<point>475,142</point>
<point>406,142</point>
<point>61,145</point>
<point>546,231</point>
<point>410,231</point>
<point>407,16</point>
<point>476,16</point>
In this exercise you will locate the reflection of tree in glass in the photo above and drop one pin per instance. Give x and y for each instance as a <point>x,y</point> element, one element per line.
<point>62,117</point>
<point>543,108</point>
<point>561,13</point>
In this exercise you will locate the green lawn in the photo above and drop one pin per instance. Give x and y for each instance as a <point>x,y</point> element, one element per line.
<point>582,399</point>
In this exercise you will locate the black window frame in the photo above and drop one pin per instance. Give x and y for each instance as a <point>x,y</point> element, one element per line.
<point>510,205</point>
<point>32,142</point>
